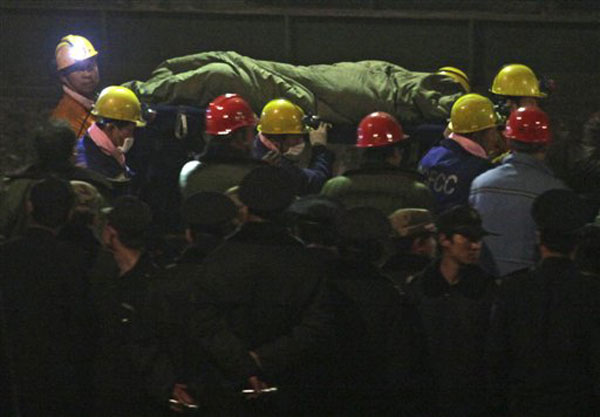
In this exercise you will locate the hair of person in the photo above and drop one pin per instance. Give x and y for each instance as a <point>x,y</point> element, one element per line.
<point>382,153</point>
<point>558,241</point>
<point>523,147</point>
<point>591,130</point>
<point>316,232</point>
<point>588,248</point>
<point>51,200</point>
<point>54,142</point>
<point>371,250</point>
<point>220,230</point>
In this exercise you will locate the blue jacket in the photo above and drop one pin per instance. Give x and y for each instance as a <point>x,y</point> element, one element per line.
<point>308,180</point>
<point>503,196</point>
<point>90,156</point>
<point>448,170</point>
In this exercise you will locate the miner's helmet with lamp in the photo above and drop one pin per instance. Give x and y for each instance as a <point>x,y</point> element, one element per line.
<point>71,50</point>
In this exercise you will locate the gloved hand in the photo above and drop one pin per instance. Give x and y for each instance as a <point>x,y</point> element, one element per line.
<point>319,136</point>
<point>272,158</point>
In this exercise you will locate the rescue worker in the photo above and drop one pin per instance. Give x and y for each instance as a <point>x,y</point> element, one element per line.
<point>105,143</point>
<point>281,142</point>
<point>454,296</point>
<point>544,346</point>
<point>229,128</point>
<point>381,181</point>
<point>450,167</point>
<point>78,72</point>
<point>503,195</point>
<point>516,85</point>
<point>457,75</point>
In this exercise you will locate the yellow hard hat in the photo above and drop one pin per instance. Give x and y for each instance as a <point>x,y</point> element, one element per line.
<point>472,113</point>
<point>281,116</point>
<point>73,49</point>
<point>517,80</point>
<point>119,103</point>
<point>457,75</point>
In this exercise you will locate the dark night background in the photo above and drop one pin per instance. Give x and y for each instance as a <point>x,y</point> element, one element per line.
<point>558,39</point>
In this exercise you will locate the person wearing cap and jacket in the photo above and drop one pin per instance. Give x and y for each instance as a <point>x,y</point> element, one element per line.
<point>503,195</point>
<point>380,349</point>
<point>413,241</point>
<point>450,167</point>
<point>282,132</point>
<point>454,296</point>
<point>261,315</point>
<point>544,345</point>
<point>78,72</point>
<point>381,181</point>
<point>105,143</point>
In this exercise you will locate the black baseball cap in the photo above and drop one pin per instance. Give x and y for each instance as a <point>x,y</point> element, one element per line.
<point>464,220</point>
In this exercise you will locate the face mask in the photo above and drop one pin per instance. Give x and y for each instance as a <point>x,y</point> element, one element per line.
<point>295,151</point>
<point>127,144</point>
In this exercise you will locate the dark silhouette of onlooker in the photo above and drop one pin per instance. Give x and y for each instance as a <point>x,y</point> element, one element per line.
<point>545,336</point>
<point>54,143</point>
<point>45,309</point>
<point>378,368</point>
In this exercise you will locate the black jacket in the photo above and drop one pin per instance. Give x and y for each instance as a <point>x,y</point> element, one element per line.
<point>545,342</point>
<point>261,291</point>
<point>456,323</point>
<point>46,323</point>
<point>379,368</point>
<point>126,345</point>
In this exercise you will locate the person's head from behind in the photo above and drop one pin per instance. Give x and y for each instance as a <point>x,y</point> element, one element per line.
<point>363,233</point>
<point>588,249</point>
<point>460,234</point>
<point>313,219</point>
<point>559,216</point>
<point>266,193</point>
<point>76,64</point>
<point>414,232</point>
<point>528,131</point>
<point>381,139</point>
<point>127,224</point>
<point>54,142</point>
<point>209,216</point>
<point>88,202</point>
<point>50,202</point>
<point>230,121</point>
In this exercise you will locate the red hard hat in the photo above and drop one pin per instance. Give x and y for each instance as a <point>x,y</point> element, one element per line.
<point>529,125</point>
<point>228,113</point>
<point>379,129</point>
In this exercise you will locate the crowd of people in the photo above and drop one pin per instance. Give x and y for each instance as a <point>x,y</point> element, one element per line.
<point>459,277</point>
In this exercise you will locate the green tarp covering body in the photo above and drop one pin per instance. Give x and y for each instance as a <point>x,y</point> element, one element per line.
<point>340,93</point>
